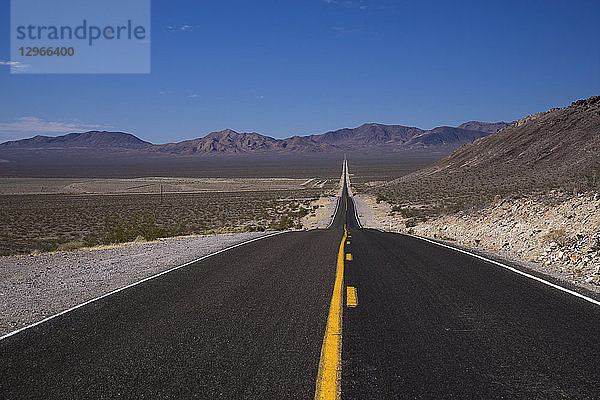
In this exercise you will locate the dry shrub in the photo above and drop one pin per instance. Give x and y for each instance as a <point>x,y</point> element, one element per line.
<point>71,246</point>
<point>559,236</point>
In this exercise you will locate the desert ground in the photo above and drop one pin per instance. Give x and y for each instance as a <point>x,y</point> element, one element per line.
<point>40,215</point>
<point>36,284</point>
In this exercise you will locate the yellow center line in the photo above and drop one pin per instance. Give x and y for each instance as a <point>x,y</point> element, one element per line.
<point>349,257</point>
<point>351,296</point>
<point>328,377</point>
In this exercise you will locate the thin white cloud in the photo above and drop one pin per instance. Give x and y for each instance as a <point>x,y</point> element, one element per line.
<point>184,28</point>
<point>15,66</point>
<point>356,4</point>
<point>193,96</point>
<point>341,31</point>
<point>32,126</point>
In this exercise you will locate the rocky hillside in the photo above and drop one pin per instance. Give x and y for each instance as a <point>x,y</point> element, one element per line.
<point>557,149</point>
<point>444,137</point>
<point>564,238</point>
<point>484,126</point>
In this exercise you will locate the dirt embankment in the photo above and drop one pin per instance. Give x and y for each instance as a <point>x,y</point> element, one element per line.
<point>564,237</point>
<point>559,236</point>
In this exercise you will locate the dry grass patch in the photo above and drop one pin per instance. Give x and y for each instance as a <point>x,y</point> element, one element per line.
<point>558,236</point>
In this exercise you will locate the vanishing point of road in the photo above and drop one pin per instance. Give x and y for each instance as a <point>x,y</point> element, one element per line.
<point>342,312</point>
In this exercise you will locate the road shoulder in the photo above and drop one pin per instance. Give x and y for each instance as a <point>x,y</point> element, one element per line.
<point>35,287</point>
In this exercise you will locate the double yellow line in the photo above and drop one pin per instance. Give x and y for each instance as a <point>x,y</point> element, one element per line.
<point>328,378</point>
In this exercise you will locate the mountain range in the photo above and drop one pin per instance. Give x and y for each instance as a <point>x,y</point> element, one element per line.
<point>367,137</point>
<point>92,139</point>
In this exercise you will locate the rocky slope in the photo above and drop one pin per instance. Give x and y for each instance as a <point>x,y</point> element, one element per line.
<point>484,126</point>
<point>564,237</point>
<point>444,137</point>
<point>557,149</point>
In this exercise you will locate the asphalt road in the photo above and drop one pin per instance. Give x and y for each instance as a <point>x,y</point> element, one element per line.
<point>246,323</point>
<point>435,323</point>
<point>249,323</point>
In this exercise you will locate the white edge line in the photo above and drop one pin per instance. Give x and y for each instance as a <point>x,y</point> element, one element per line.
<point>356,213</point>
<point>135,284</point>
<point>571,292</point>
<point>337,204</point>
<point>347,175</point>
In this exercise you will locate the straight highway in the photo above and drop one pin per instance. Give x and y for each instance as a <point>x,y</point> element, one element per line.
<point>342,312</point>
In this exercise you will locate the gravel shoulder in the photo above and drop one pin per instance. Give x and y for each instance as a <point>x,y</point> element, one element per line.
<point>323,211</point>
<point>36,286</point>
<point>372,214</point>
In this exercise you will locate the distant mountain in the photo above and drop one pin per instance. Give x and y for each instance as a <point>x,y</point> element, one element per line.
<point>367,137</point>
<point>444,137</point>
<point>489,127</point>
<point>556,149</point>
<point>363,138</point>
<point>401,138</point>
<point>226,141</point>
<point>93,139</point>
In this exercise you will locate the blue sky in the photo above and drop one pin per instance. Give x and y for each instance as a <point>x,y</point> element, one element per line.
<point>284,68</point>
